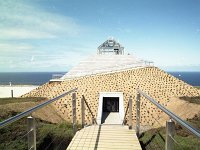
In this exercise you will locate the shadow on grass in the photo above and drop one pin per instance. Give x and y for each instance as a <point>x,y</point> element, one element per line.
<point>145,142</point>
<point>195,99</point>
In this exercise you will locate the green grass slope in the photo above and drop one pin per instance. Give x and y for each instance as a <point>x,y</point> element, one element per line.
<point>49,135</point>
<point>155,138</point>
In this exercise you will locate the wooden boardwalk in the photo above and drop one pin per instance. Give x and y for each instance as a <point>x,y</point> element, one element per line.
<point>105,137</point>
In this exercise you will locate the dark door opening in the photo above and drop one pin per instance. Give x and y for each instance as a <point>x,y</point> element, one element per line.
<point>110,104</point>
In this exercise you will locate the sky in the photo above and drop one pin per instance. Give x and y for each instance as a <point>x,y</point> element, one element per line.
<point>54,35</point>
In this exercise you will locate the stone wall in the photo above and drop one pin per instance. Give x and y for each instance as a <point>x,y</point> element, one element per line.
<point>155,82</point>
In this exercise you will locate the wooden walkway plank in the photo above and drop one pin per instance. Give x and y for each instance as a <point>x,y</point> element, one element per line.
<point>105,137</point>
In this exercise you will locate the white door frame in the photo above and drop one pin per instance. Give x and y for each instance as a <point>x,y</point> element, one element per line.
<point>110,94</point>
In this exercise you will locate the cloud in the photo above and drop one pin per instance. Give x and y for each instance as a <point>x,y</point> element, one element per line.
<point>59,60</point>
<point>14,47</point>
<point>20,20</point>
<point>18,33</point>
<point>32,58</point>
<point>32,38</point>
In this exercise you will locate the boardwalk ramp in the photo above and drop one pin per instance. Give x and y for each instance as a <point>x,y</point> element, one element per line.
<point>105,137</point>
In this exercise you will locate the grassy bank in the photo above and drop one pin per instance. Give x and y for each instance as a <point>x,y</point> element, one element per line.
<point>195,100</point>
<point>198,87</point>
<point>4,101</point>
<point>49,136</point>
<point>155,138</point>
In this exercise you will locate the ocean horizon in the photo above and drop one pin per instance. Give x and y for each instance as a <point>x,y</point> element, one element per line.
<point>192,78</point>
<point>39,78</point>
<point>26,78</point>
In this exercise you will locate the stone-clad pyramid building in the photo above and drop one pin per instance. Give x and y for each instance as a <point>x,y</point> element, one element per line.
<point>108,79</point>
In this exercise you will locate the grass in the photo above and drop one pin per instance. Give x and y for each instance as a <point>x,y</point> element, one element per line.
<point>54,136</point>
<point>58,136</point>
<point>49,136</point>
<point>4,101</point>
<point>155,138</point>
<point>198,87</point>
<point>195,100</point>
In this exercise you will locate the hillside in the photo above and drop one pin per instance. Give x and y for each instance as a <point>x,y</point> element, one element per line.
<point>52,131</point>
<point>48,113</point>
<point>158,84</point>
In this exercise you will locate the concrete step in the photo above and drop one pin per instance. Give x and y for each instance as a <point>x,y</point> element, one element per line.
<point>111,118</point>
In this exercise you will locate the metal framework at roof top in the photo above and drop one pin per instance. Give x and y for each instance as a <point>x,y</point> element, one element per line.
<point>110,46</point>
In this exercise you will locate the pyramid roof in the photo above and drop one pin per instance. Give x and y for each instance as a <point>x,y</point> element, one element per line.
<point>105,61</point>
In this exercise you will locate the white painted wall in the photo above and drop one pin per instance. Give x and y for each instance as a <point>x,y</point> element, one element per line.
<point>18,90</point>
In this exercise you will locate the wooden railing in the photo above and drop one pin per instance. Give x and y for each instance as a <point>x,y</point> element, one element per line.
<point>129,110</point>
<point>83,103</point>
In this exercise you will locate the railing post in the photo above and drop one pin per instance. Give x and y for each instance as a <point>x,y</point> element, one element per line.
<point>11,93</point>
<point>130,113</point>
<point>83,111</point>
<point>138,114</point>
<point>170,129</point>
<point>31,133</point>
<point>74,112</point>
<point>93,120</point>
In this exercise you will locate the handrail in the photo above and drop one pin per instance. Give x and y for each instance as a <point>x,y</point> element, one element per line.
<point>184,124</point>
<point>125,113</point>
<point>29,111</point>
<point>89,108</point>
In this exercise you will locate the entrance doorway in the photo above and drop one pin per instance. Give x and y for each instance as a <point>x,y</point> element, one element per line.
<point>111,108</point>
<point>110,104</point>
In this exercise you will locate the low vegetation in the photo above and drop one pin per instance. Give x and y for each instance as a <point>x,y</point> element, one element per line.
<point>49,136</point>
<point>4,101</point>
<point>58,136</point>
<point>155,138</point>
<point>195,100</point>
<point>198,87</point>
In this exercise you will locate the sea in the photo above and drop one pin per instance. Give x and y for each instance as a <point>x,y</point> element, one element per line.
<point>39,78</point>
<point>192,78</point>
<point>26,78</point>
